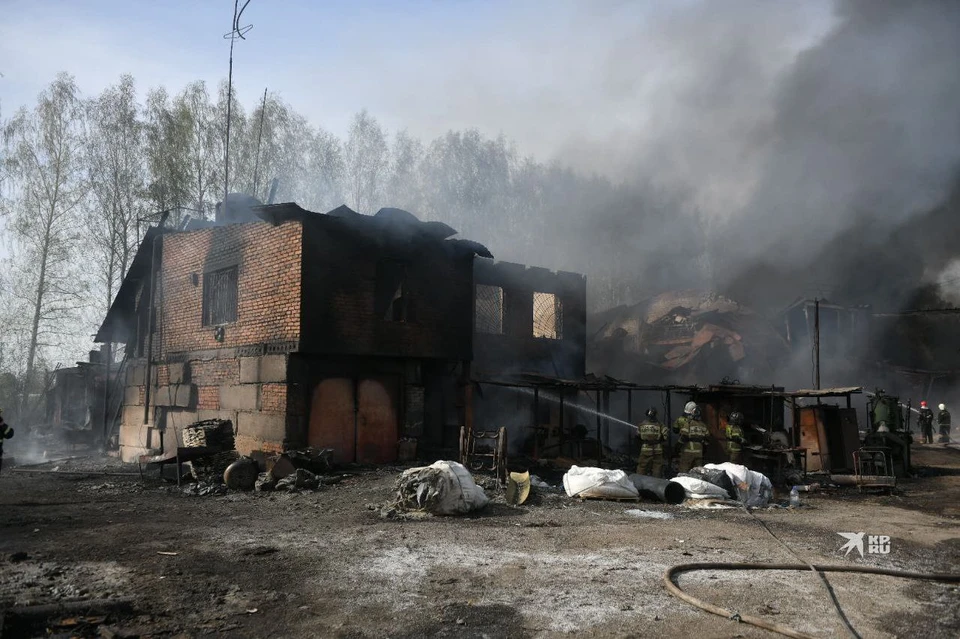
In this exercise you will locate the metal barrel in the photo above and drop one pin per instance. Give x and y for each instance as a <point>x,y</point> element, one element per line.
<point>661,489</point>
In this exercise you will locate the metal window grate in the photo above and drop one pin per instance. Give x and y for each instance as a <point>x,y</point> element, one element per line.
<point>547,316</point>
<point>220,297</point>
<point>489,314</point>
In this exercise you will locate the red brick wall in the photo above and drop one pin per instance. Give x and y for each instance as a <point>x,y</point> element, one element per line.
<point>215,372</point>
<point>268,306</point>
<point>208,398</point>
<point>273,398</point>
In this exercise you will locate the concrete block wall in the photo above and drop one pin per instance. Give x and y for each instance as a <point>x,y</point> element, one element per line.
<point>249,391</point>
<point>135,437</point>
<point>209,387</point>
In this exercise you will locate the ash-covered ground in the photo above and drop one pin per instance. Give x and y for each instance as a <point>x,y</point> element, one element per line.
<point>326,564</point>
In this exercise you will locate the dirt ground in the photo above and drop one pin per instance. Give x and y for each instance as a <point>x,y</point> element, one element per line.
<point>325,564</point>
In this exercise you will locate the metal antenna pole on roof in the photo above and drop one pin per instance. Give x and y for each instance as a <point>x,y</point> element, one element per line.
<point>236,31</point>
<point>256,165</point>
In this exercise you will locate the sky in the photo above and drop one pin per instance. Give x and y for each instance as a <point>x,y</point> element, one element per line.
<point>561,78</point>
<point>803,121</point>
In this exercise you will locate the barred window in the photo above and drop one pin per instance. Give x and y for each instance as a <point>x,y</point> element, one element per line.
<point>220,297</point>
<point>489,314</point>
<point>547,316</point>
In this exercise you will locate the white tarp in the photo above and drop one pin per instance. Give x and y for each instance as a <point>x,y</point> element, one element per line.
<point>753,489</point>
<point>598,483</point>
<point>442,488</point>
<point>699,489</point>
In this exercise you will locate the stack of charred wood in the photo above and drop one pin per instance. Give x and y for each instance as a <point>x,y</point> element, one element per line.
<point>216,436</point>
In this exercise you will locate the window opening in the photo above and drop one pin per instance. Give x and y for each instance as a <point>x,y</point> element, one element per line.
<point>393,299</point>
<point>547,316</point>
<point>489,313</point>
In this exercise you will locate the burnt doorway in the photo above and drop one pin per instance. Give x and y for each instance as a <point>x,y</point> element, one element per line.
<point>357,418</point>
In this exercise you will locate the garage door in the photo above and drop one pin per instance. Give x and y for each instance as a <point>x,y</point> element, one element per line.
<point>332,422</point>
<point>359,428</point>
<point>377,420</point>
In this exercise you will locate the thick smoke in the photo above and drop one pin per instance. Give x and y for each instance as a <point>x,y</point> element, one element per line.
<point>827,168</point>
<point>789,140</point>
<point>866,144</point>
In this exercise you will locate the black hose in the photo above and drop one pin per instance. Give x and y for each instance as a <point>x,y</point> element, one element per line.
<point>674,589</point>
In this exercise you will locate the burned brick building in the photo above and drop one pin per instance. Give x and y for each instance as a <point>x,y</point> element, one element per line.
<point>336,330</point>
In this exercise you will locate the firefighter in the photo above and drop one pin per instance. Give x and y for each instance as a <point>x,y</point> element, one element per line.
<point>5,433</point>
<point>943,421</point>
<point>735,438</point>
<point>653,439</point>
<point>693,433</point>
<point>925,421</point>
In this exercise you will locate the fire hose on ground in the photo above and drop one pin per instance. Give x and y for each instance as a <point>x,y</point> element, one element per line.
<point>674,589</point>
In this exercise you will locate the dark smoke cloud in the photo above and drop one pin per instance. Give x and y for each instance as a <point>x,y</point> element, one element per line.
<point>866,147</point>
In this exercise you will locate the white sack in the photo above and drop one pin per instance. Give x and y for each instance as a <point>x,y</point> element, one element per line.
<point>699,489</point>
<point>597,482</point>
<point>443,488</point>
<point>753,489</point>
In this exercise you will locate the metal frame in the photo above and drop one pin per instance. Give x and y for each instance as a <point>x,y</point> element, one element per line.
<point>476,460</point>
<point>877,459</point>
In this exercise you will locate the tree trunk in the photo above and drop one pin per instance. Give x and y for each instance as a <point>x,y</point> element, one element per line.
<point>37,309</point>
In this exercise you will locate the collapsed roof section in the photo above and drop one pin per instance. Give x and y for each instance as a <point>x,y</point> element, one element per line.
<point>686,330</point>
<point>387,224</point>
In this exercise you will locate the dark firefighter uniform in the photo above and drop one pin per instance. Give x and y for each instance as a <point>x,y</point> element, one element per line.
<point>5,433</point>
<point>943,421</point>
<point>735,438</point>
<point>653,440</point>
<point>925,421</point>
<point>693,433</point>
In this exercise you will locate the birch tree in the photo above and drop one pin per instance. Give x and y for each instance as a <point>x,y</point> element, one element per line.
<point>117,176</point>
<point>325,172</point>
<point>366,161</point>
<point>404,188</point>
<point>205,155</point>
<point>45,156</point>
<point>168,130</point>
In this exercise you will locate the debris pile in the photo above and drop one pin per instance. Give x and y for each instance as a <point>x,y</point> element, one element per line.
<point>685,331</point>
<point>727,482</point>
<point>210,433</point>
<point>215,438</point>
<point>297,470</point>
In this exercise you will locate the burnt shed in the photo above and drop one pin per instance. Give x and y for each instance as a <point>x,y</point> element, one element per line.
<point>336,330</point>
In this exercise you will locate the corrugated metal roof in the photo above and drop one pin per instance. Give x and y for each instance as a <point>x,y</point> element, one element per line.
<point>823,392</point>
<point>588,382</point>
<point>123,308</point>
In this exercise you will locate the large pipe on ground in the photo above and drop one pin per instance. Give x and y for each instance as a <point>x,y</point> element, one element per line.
<point>664,490</point>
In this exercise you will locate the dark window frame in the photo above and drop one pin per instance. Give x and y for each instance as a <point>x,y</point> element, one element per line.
<point>224,283</point>
<point>393,296</point>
